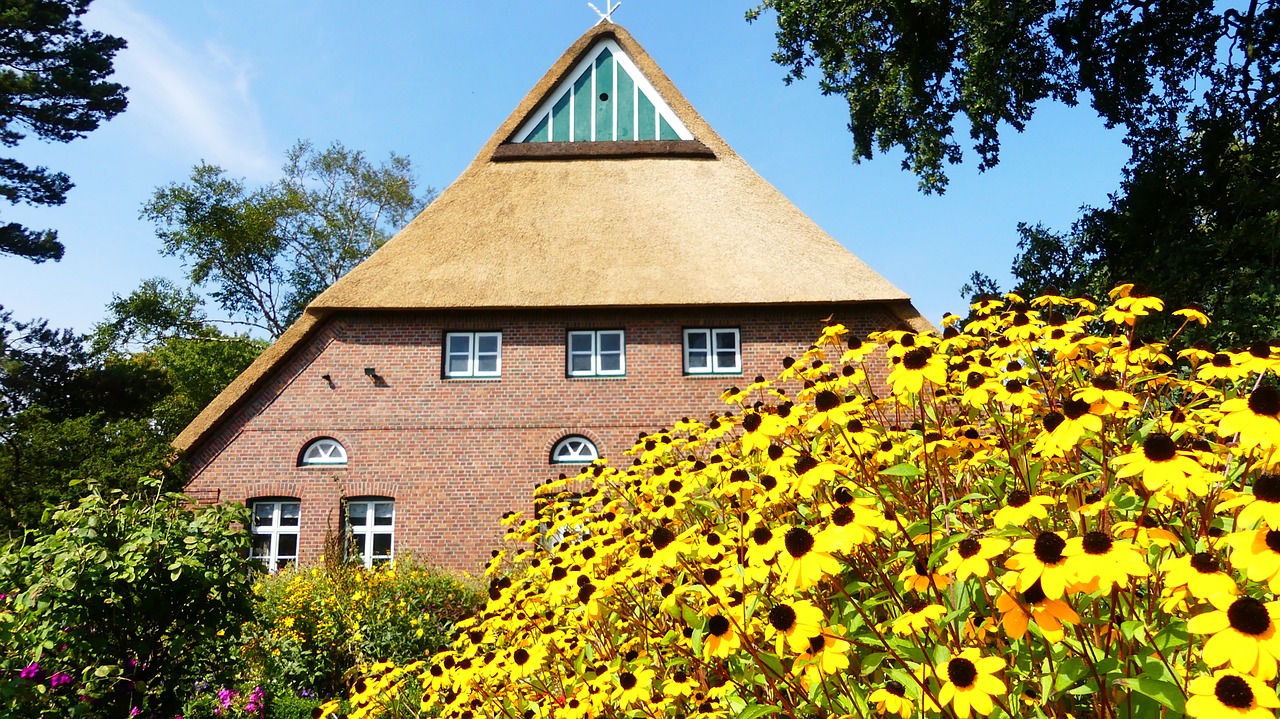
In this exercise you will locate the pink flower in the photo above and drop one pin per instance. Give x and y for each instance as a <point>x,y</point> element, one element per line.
<point>60,679</point>
<point>32,671</point>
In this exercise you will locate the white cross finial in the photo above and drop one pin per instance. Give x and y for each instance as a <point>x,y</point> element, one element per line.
<point>609,7</point>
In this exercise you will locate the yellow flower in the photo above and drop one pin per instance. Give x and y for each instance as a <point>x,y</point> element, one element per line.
<point>1200,574</point>
<point>1048,614</point>
<point>804,563</point>
<point>1243,633</point>
<point>971,556</point>
<point>634,687</point>
<point>1228,695</point>
<point>1100,563</point>
<point>1257,552</point>
<point>1262,505</point>
<point>918,365</point>
<point>1041,559</point>
<point>1254,419</point>
<point>970,682</point>
<point>721,638</point>
<point>917,577</point>
<point>1020,507</point>
<point>794,623</point>
<point>892,699</point>
<point>916,616</point>
<point>827,653</point>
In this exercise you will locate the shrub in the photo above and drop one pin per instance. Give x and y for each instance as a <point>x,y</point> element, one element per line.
<point>130,598</point>
<point>313,627</point>
<point>1041,514</point>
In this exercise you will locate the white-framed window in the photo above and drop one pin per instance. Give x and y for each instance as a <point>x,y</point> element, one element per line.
<point>574,449</point>
<point>473,354</point>
<point>325,451</point>
<point>274,527</point>
<point>372,523</point>
<point>596,353</point>
<point>712,351</point>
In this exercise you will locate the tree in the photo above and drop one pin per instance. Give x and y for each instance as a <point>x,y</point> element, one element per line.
<point>1193,84</point>
<point>53,84</point>
<point>264,253</point>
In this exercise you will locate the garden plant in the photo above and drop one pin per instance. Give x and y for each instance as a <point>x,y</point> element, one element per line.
<point>1039,512</point>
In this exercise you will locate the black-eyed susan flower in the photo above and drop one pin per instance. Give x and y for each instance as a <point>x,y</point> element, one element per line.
<point>1160,463</point>
<point>1033,606</point>
<point>1256,419</point>
<point>1257,553</point>
<point>971,557</point>
<point>1200,573</point>
<point>1020,507</point>
<point>794,622</point>
<point>1105,396</point>
<point>1145,532</point>
<point>1100,563</point>
<point>917,615</point>
<point>634,686</point>
<point>916,577</point>
<point>1221,366</point>
<point>1041,559</point>
<point>1230,695</point>
<point>827,653</point>
<point>917,366</point>
<point>1243,632</point>
<point>1262,505</point>
<point>721,638</point>
<point>892,699</point>
<point>804,563</point>
<point>969,682</point>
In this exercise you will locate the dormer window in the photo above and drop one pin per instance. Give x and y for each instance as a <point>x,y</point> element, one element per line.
<point>574,449</point>
<point>324,452</point>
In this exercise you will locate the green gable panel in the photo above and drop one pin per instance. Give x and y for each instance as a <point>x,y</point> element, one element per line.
<point>541,132</point>
<point>667,132</point>
<point>626,105</point>
<point>560,130</point>
<point>605,101</point>
<point>582,108</point>
<point>647,130</point>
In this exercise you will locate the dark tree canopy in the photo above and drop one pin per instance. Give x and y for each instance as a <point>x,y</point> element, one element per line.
<point>53,85</point>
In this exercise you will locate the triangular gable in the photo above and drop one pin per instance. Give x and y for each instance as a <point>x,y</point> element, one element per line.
<point>604,98</point>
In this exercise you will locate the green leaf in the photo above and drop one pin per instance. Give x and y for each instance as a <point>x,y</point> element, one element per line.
<point>903,470</point>
<point>758,710</point>
<point>1167,693</point>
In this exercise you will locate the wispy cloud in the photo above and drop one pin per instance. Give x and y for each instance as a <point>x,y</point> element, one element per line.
<point>199,98</point>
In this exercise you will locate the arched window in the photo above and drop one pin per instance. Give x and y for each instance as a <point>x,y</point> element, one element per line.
<point>323,451</point>
<point>574,449</point>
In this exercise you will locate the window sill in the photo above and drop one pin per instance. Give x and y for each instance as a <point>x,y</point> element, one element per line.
<point>472,379</point>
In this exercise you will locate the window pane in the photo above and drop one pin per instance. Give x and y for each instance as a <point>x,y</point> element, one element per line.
<point>460,344</point>
<point>487,344</point>
<point>696,340</point>
<point>610,342</point>
<point>384,513</point>
<point>288,546</point>
<point>459,365</point>
<point>261,546</point>
<point>289,514</point>
<point>697,360</point>
<point>611,362</point>
<point>580,363</point>
<point>264,514</point>
<point>726,361</point>
<point>726,340</point>
<point>580,342</point>
<point>358,513</point>
<point>487,365</point>
<point>382,545</point>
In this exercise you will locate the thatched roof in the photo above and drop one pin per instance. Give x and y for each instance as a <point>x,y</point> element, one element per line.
<point>599,224</point>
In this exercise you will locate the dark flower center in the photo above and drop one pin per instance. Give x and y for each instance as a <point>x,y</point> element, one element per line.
<point>761,535</point>
<point>775,452</point>
<point>962,672</point>
<point>710,576</point>
<point>1013,366</point>
<point>826,401</point>
<point>739,475</point>
<point>1097,543</point>
<point>1018,498</point>
<point>1234,692</point>
<point>1049,547</point>
<point>1265,401</point>
<point>718,625</point>
<point>919,567</point>
<point>521,656</point>
<point>908,341</point>
<point>585,592</point>
<point>628,680</point>
<point>974,380</point>
<point>1273,540</point>
<point>895,688</point>
<point>804,463</point>
<point>1105,383</point>
<point>972,433</point>
<point>1159,447</point>
<point>917,358</point>
<point>1221,360</point>
<point>842,516</point>
<point>1266,488</point>
<point>1021,319</point>
<point>969,546</point>
<point>798,542</point>
<point>661,537</point>
<point>668,501</point>
<point>855,425</point>
<point>1034,594</point>
<point>751,422</point>
<point>1261,350</point>
<point>1249,616</point>
<point>782,617</point>
<point>816,644</point>
<point>768,482</point>
<point>843,495</point>
<point>1075,408</point>
<point>1204,562</point>
<point>1053,420</point>
<point>1013,386</point>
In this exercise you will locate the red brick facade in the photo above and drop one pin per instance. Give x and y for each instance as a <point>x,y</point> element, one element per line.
<point>455,454</point>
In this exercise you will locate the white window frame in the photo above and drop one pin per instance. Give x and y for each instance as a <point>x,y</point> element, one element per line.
<point>594,354</point>
<point>472,354</point>
<point>323,452</point>
<point>273,558</point>
<point>570,450</point>
<point>362,536</point>
<point>712,336</point>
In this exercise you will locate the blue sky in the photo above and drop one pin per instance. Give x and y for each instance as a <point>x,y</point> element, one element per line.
<point>236,82</point>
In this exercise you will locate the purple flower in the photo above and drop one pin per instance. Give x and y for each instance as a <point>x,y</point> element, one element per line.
<point>32,672</point>
<point>60,679</point>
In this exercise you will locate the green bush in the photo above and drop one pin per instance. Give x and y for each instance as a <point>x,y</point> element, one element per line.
<point>123,606</point>
<point>314,627</point>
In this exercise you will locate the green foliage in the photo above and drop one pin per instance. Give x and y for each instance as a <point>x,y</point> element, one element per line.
<point>314,627</point>
<point>130,597</point>
<point>269,251</point>
<point>53,83</point>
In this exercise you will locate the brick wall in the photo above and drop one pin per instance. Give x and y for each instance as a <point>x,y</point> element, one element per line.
<point>456,454</point>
